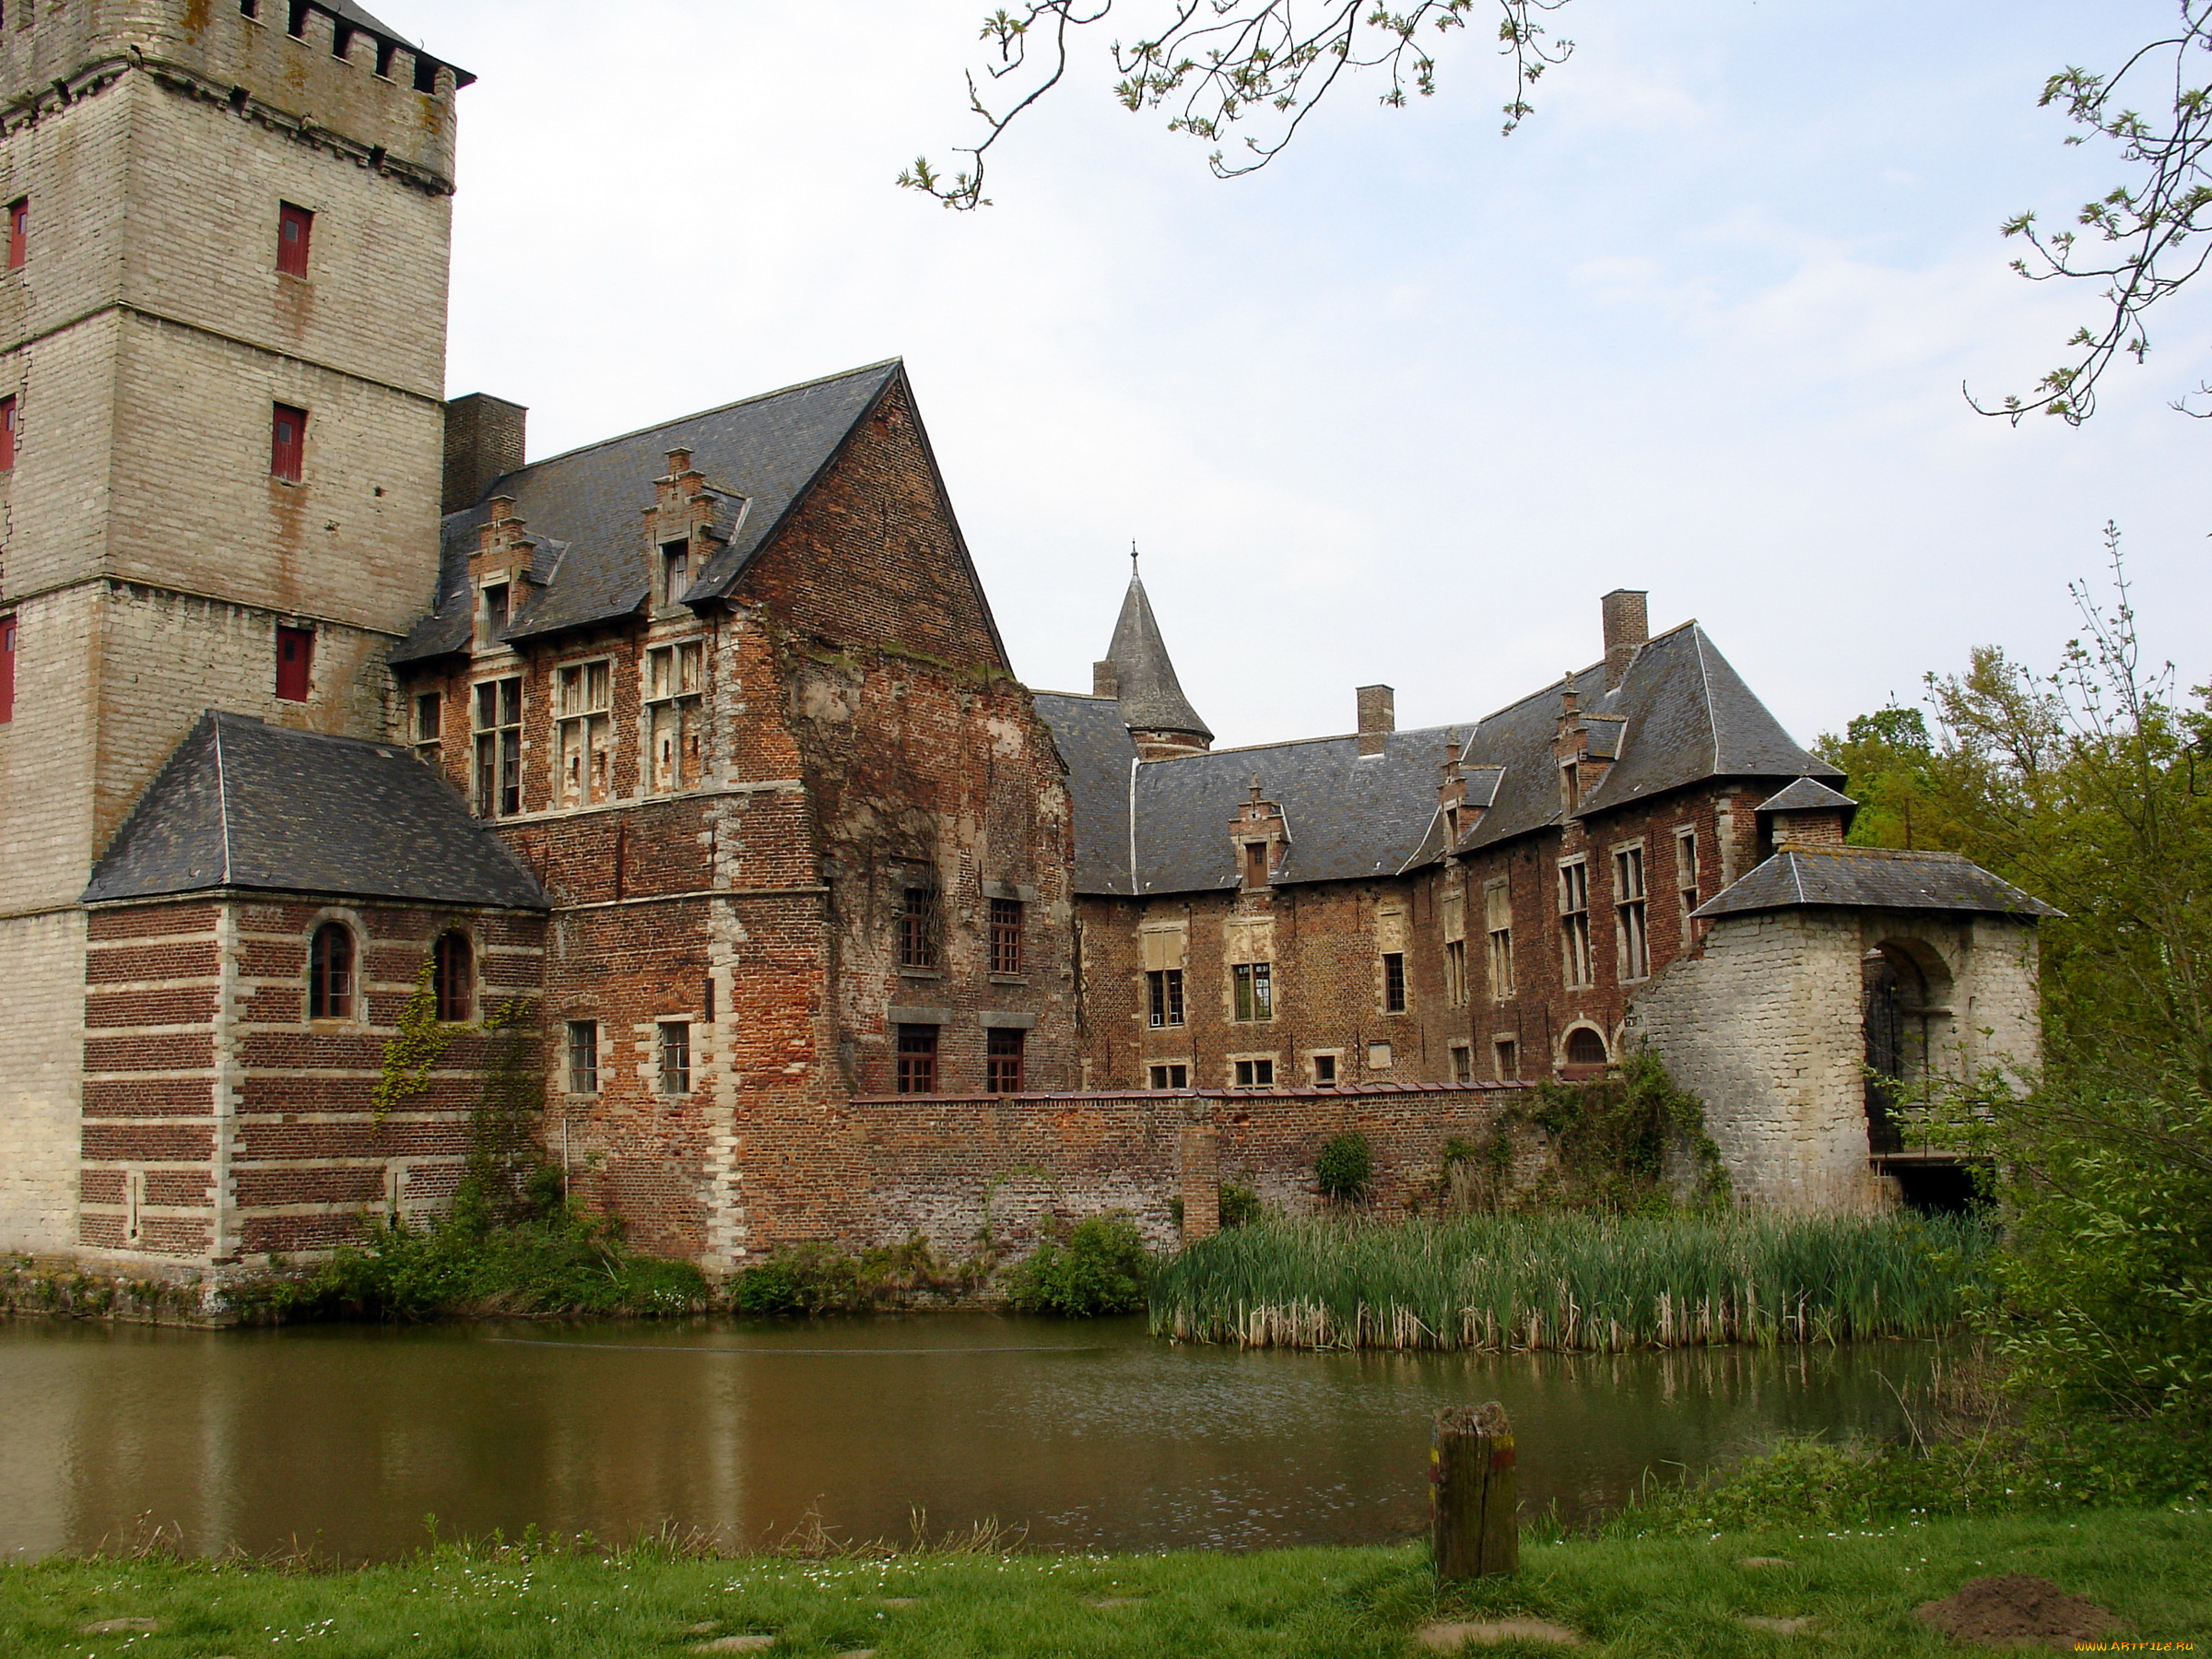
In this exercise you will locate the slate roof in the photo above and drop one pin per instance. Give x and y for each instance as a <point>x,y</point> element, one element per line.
<point>1681,714</point>
<point>1876,877</point>
<point>584,509</point>
<point>1151,697</point>
<point>241,804</point>
<point>1807,795</point>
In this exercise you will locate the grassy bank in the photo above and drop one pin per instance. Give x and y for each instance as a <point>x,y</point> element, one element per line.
<point>1590,1282</point>
<point>1625,1595</point>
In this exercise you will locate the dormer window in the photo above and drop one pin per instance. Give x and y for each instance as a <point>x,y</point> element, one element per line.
<point>496,610</point>
<point>1256,864</point>
<point>1570,786</point>
<point>676,570</point>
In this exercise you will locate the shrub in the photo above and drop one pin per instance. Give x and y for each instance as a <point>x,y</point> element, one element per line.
<point>1101,1268</point>
<point>1241,1205</point>
<point>1345,1167</point>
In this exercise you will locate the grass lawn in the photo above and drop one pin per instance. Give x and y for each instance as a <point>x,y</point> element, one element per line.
<point>1626,1595</point>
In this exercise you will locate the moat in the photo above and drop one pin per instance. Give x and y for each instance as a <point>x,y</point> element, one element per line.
<point>1090,1436</point>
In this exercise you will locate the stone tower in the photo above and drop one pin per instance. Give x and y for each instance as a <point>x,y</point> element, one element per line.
<point>222,345</point>
<point>1137,673</point>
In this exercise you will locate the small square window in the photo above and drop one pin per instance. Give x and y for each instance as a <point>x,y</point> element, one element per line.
<point>917,1059</point>
<point>583,1056</point>
<point>295,663</point>
<point>294,227</point>
<point>1324,1071</point>
<point>1003,1060</point>
<point>288,444</point>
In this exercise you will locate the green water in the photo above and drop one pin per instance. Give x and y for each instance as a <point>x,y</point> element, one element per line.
<point>1090,1436</point>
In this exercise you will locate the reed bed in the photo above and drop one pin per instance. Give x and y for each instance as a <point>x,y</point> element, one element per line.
<point>1506,1283</point>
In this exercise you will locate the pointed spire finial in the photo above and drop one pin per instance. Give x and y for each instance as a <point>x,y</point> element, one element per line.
<point>1132,556</point>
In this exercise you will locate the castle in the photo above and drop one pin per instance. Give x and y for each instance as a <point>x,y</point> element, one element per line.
<point>694,759</point>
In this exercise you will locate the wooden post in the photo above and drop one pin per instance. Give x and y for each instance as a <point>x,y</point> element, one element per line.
<point>1472,1503</point>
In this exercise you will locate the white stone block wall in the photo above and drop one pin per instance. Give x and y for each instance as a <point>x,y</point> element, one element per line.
<point>41,1038</point>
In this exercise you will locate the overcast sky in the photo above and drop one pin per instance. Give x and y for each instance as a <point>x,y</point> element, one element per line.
<point>1402,407</point>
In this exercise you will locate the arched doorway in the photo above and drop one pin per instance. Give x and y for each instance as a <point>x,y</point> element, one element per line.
<point>1905,1017</point>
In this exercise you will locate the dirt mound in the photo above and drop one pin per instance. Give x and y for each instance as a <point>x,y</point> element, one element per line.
<point>2016,1611</point>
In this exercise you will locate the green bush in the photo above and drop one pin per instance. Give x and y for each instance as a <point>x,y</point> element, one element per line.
<point>1101,1268</point>
<point>539,1257</point>
<point>1241,1205</point>
<point>803,1279</point>
<point>1344,1168</point>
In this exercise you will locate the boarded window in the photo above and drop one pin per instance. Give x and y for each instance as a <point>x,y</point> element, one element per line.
<point>1506,1054</point>
<point>1498,918</point>
<point>18,233</point>
<point>454,978</point>
<point>583,1056</point>
<point>1256,864</point>
<point>1686,880</point>
<point>295,663</point>
<point>7,434</point>
<point>288,444</point>
<point>917,1059</point>
<point>1003,1060</point>
<point>1455,974</point>
<point>330,972</point>
<point>294,227</point>
<point>675,572</point>
<point>1462,1063</point>
<point>7,669</point>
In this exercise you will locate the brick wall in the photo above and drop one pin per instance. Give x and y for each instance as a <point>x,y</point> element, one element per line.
<point>947,1167</point>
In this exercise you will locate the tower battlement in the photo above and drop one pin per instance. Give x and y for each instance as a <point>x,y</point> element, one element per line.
<point>327,72</point>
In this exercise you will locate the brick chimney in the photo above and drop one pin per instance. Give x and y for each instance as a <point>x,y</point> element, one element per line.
<point>1628,628</point>
<point>482,443</point>
<point>1378,718</point>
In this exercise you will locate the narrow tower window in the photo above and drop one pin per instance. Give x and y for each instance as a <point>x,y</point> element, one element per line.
<point>452,980</point>
<point>7,434</point>
<point>295,663</point>
<point>1006,935</point>
<point>287,442</point>
<point>583,1056</point>
<point>7,669</point>
<point>295,226</point>
<point>330,972</point>
<point>675,1058</point>
<point>18,233</point>
<point>1393,982</point>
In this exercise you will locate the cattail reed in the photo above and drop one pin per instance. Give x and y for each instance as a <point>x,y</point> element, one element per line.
<point>1570,1282</point>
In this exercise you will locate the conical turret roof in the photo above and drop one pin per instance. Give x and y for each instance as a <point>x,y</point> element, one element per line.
<point>1151,698</point>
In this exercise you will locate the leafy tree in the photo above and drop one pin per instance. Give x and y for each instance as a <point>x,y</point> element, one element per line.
<point>1887,756</point>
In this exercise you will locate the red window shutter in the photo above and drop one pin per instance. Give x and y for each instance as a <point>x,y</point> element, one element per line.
<point>295,226</point>
<point>7,669</point>
<point>7,434</point>
<point>18,233</point>
<point>295,662</point>
<point>287,442</point>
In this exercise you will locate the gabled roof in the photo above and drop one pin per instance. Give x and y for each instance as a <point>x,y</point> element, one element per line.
<point>1807,795</point>
<point>1680,717</point>
<point>241,804</point>
<point>1874,879</point>
<point>1151,697</point>
<point>761,458</point>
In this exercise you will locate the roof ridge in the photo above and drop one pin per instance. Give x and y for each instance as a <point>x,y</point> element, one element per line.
<point>1842,850</point>
<point>568,455</point>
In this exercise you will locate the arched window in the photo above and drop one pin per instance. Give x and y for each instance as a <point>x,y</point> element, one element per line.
<point>330,972</point>
<point>454,978</point>
<point>1586,1047</point>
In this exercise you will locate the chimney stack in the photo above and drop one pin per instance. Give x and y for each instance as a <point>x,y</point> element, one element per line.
<point>482,443</point>
<point>1378,718</point>
<point>1106,681</point>
<point>1627,627</point>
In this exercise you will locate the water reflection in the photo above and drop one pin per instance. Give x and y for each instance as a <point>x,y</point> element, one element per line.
<point>1091,1436</point>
